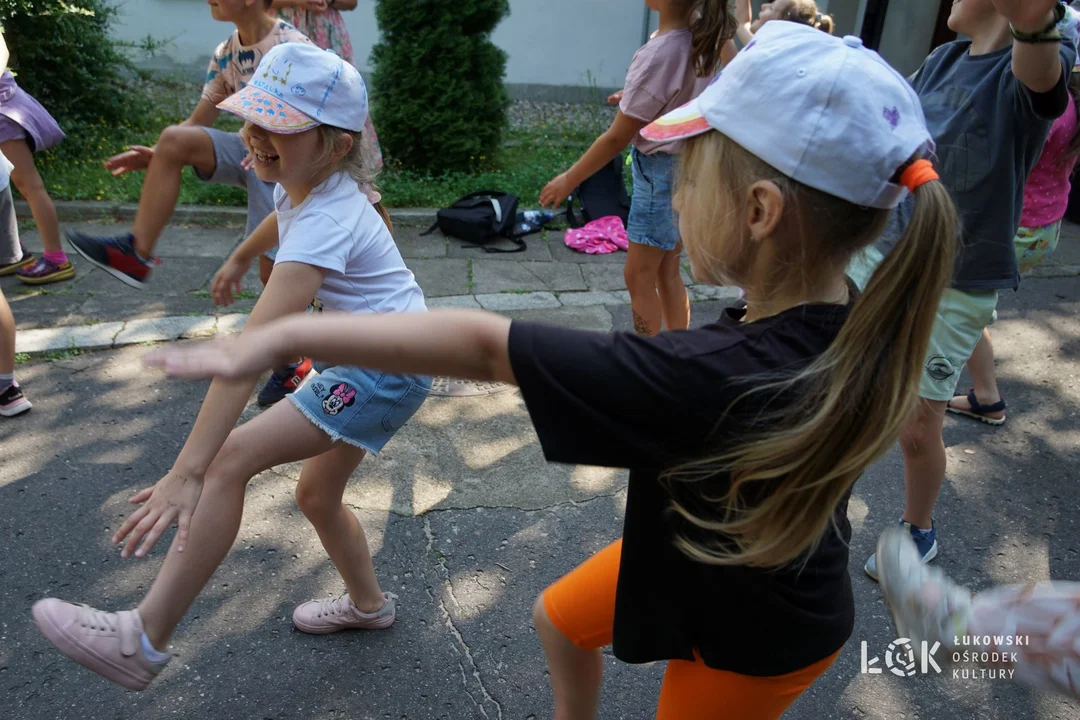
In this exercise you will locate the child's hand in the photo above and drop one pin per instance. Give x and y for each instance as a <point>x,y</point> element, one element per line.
<point>137,157</point>
<point>1026,15</point>
<point>615,98</point>
<point>315,5</point>
<point>228,280</point>
<point>248,163</point>
<point>173,499</point>
<point>231,358</point>
<point>555,192</point>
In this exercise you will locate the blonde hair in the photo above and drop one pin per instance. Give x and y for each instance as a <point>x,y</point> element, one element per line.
<point>807,13</point>
<point>849,405</point>
<point>352,163</point>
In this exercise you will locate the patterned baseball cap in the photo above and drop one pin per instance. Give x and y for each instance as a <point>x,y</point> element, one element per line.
<point>298,86</point>
<point>825,111</point>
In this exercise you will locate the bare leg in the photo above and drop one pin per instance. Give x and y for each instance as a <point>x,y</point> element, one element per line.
<point>177,147</point>
<point>642,268</point>
<point>924,461</point>
<point>281,434</point>
<point>266,266</point>
<point>576,674</point>
<point>322,484</point>
<point>30,186</point>
<point>7,337</point>
<point>984,376</point>
<point>672,291</point>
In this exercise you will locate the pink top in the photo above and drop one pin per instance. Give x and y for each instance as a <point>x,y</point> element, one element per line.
<point>1046,194</point>
<point>660,79</point>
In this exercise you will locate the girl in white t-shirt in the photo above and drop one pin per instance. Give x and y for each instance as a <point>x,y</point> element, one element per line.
<point>304,111</point>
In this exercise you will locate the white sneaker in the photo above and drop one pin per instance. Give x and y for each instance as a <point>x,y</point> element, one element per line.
<point>925,605</point>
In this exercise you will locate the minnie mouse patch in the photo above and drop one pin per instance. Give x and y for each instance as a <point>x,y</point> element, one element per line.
<point>340,398</point>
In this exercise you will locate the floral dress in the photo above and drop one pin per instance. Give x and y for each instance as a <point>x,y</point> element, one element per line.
<point>327,30</point>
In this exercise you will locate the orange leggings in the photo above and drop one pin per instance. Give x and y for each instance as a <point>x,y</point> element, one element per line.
<point>581,605</point>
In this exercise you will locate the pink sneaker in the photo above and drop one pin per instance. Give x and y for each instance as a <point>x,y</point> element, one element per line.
<point>321,617</point>
<point>107,643</point>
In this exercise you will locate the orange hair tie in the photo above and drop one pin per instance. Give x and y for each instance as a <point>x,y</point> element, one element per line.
<point>918,173</point>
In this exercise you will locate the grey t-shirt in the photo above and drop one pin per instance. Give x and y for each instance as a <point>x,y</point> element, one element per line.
<point>989,130</point>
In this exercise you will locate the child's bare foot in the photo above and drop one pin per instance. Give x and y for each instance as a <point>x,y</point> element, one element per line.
<point>969,406</point>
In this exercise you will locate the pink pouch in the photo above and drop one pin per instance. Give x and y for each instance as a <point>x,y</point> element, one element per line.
<point>599,237</point>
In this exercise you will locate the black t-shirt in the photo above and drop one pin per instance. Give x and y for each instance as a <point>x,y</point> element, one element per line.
<point>648,404</point>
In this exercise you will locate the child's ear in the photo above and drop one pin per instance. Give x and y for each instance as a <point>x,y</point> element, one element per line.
<point>765,208</point>
<point>344,144</point>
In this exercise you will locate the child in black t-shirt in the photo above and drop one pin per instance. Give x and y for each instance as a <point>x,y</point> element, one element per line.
<point>744,437</point>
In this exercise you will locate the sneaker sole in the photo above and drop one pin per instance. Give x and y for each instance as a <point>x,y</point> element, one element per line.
<point>380,624</point>
<point>12,269</point>
<point>929,556</point>
<point>121,276</point>
<point>996,422</point>
<point>18,408</point>
<point>46,279</point>
<point>83,655</point>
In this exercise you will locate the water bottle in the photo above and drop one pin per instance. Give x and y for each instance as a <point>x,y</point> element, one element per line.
<point>537,217</point>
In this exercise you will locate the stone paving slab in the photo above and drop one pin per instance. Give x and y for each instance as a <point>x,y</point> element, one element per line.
<point>604,277</point>
<point>439,277</point>
<point>536,249</point>
<point>517,301</point>
<point>557,277</point>
<point>493,276</point>
<point>411,244</point>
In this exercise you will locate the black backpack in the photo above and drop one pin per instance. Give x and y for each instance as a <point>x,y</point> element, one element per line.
<point>600,195</point>
<point>480,218</point>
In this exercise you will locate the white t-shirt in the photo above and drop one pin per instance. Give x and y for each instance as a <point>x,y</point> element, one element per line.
<point>337,229</point>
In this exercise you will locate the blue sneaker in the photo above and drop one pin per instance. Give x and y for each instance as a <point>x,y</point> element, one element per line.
<point>283,381</point>
<point>925,543</point>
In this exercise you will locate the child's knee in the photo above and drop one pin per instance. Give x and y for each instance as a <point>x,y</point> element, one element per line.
<point>315,502</point>
<point>177,143</point>
<point>923,430</point>
<point>541,621</point>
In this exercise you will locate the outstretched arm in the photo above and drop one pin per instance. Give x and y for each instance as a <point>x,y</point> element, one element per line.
<point>1036,65</point>
<point>174,497</point>
<point>460,343</point>
<point>603,150</point>
<point>743,16</point>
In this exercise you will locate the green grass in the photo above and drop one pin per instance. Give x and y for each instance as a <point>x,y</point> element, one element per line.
<point>528,159</point>
<point>54,355</point>
<point>22,358</point>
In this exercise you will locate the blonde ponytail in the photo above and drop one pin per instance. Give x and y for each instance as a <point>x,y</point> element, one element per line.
<point>787,481</point>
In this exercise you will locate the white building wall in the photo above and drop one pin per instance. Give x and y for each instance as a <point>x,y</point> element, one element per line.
<point>551,44</point>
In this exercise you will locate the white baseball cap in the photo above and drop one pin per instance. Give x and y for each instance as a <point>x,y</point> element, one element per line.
<point>298,86</point>
<point>825,111</point>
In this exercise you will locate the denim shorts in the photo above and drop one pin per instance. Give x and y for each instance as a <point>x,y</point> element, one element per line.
<point>652,219</point>
<point>358,406</point>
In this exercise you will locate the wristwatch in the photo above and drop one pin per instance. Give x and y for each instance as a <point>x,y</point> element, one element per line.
<point>1049,34</point>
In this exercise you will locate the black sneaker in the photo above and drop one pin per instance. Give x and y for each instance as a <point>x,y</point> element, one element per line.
<point>283,381</point>
<point>13,402</point>
<point>115,255</point>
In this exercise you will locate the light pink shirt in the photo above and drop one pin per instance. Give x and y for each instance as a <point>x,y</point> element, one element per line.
<point>1046,195</point>
<point>661,79</point>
